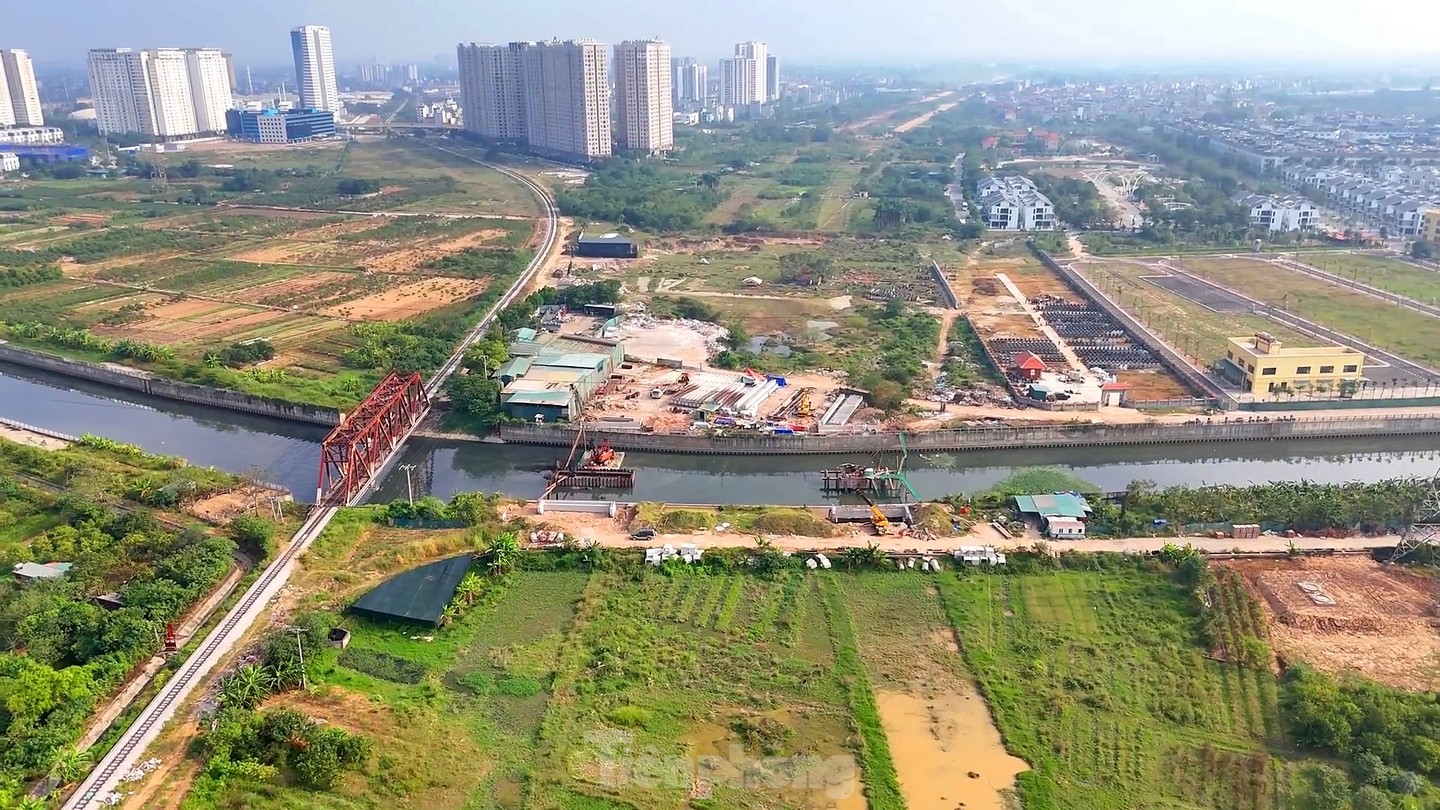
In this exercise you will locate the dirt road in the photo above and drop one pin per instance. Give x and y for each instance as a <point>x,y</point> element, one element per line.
<point>606,532</point>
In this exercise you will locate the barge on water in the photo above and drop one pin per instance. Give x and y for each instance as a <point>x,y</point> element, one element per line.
<point>852,479</point>
<point>598,468</point>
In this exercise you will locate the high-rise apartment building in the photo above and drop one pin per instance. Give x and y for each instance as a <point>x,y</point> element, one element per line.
<point>772,78</point>
<point>119,89</point>
<point>689,81</point>
<point>759,54</point>
<point>164,92</point>
<point>566,92</point>
<point>737,82</point>
<point>491,98</point>
<point>210,87</point>
<point>315,68</point>
<point>19,94</point>
<point>171,100</point>
<point>644,109</point>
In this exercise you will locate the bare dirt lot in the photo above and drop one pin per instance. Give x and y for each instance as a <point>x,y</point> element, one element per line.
<point>1381,624</point>
<point>408,300</point>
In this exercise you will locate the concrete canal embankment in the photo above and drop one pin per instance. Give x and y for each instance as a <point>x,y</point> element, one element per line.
<point>147,383</point>
<point>997,438</point>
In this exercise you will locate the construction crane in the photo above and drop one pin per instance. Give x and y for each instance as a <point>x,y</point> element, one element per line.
<point>898,474</point>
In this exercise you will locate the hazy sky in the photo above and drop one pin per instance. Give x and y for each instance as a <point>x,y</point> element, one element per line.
<point>907,31</point>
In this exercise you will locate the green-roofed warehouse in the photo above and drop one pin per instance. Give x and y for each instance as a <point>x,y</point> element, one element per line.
<point>417,596</point>
<point>1057,505</point>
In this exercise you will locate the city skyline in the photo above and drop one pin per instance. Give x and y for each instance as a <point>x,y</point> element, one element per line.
<point>1093,31</point>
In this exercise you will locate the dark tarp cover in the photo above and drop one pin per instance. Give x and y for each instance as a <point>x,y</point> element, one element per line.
<point>418,596</point>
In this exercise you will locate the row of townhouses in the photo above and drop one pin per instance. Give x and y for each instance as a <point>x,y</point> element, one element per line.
<point>1377,203</point>
<point>1013,203</point>
<point>1272,213</point>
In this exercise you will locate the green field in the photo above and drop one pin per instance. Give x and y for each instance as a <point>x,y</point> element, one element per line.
<point>1409,333</point>
<point>1390,274</point>
<point>584,680</point>
<point>1184,324</point>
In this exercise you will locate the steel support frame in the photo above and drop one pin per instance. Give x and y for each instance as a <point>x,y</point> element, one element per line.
<point>355,450</point>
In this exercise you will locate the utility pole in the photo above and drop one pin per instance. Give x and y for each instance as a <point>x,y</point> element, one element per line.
<point>409,486</point>
<point>304,678</point>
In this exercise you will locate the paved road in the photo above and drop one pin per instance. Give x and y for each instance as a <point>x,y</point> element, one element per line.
<point>126,753</point>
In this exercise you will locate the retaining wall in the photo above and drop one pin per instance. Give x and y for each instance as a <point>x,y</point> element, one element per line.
<point>607,508</point>
<point>946,291</point>
<point>993,438</point>
<point>147,383</point>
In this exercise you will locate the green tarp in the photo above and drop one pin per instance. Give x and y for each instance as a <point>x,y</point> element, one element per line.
<point>418,596</point>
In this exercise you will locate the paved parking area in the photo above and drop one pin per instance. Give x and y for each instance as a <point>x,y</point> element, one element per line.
<point>1208,297</point>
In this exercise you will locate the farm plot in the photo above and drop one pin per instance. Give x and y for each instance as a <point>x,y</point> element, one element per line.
<point>1404,331</point>
<point>1347,616</point>
<point>1100,682</point>
<point>692,681</point>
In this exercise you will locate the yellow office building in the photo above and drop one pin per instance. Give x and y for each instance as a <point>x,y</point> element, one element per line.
<point>1262,365</point>
<point>1430,227</point>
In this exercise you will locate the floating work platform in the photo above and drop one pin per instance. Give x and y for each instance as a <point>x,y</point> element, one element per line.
<point>854,478</point>
<point>593,478</point>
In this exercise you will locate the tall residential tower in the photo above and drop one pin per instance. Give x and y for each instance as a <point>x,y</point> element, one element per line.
<point>644,112</point>
<point>315,68</point>
<point>163,92</point>
<point>566,92</point>
<point>19,94</point>
<point>491,98</point>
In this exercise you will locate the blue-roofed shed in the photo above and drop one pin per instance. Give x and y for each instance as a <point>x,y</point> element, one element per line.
<point>513,369</point>
<point>1055,505</point>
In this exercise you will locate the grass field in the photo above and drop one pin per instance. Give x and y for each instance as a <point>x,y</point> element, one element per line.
<point>1184,324</point>
<point>1097,680</point>
<point>1404,331</point>
<point>1386,273</point>
<point>599,684</point>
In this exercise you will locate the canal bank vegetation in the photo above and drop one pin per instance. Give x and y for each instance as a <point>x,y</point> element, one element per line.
<point>100,577</point>
<point>756,520</point>
<point>1146,510</point>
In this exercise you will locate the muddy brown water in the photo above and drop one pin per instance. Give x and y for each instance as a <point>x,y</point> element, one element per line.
<point>938,741</point>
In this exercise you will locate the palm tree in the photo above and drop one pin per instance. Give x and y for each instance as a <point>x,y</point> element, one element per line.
<point>69,764</point>
<point>450,614</point>
<point>504,551</point>
<point>470,588</point>
<point>247,686</point>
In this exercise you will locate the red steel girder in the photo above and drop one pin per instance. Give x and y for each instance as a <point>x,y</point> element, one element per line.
<point>356,448</point>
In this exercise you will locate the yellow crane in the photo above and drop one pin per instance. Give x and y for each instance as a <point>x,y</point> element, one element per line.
<point>802,408</point>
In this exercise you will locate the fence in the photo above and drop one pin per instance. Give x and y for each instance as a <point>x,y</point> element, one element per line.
<point>1077,434</point>
<point>1172,404</point>
<point>946,291</point>
<point>1171,359</point>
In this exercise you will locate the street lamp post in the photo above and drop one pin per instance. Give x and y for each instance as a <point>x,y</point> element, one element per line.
<point>409,485</point>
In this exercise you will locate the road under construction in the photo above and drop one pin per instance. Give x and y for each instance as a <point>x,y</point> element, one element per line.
<point>354,456</point>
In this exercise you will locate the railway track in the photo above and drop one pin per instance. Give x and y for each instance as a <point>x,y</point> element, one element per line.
<point>122,758</point>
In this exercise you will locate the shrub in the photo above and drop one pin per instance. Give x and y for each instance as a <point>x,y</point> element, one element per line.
<point>631,716</point>
<point>384,666</point>
<point>518,686</point>
<point>253,535</point>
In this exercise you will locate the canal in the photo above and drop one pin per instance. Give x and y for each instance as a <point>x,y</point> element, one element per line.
<point>289,454</point>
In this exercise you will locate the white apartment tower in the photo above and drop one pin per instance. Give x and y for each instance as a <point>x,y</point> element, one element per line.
<point>19,94</point>
<point>772,78</point>
<point>171,102</point>
<point>210,88</point>
<point>737,82</point>
<point>566,91</point>
<point>644,112</point>
<point>689,81</point>
<point>315,68</point>
<point>491,98</point>
<point>118,85</point>
<point>164,92</point>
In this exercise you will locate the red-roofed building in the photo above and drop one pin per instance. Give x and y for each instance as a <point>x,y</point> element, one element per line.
<point>1028,365</point>
<point>1113,394</point>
